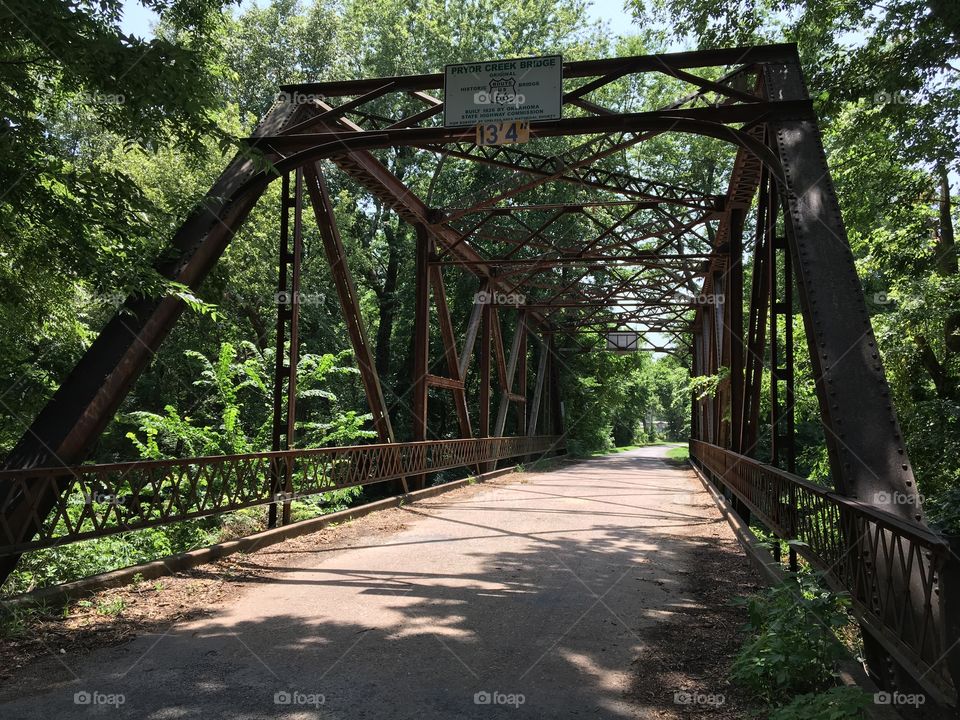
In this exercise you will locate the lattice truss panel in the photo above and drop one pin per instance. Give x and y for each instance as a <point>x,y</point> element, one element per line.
<point>586,223</point>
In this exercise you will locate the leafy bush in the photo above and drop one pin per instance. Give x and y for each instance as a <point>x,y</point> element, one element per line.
<point>793,644</point>
<point>839,703</point>
<point>944,511</point>
<point>52,566</point>
<point>315,505</point>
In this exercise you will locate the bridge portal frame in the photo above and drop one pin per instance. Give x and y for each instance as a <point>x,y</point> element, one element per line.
<point>760,107</point>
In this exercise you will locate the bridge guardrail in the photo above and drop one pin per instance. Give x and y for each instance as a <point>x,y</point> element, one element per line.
<point>890,568</point>
<point>99,500</point>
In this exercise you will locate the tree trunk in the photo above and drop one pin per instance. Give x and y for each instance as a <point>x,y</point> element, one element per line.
<point>388,303</point>
<point>947,258</point>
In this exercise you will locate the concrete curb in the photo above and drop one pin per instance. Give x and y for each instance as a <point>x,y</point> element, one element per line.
<point>851,673</point>
<point>173,564</point>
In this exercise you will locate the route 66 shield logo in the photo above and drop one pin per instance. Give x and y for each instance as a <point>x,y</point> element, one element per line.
<point>503,91</point>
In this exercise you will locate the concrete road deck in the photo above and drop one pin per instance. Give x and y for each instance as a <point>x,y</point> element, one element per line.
<point>537,599</point>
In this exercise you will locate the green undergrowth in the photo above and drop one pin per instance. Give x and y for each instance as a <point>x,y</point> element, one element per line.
<point>53,566</point>
<point>797,633</point>
<point>678,454</point>
<point>838,703</point>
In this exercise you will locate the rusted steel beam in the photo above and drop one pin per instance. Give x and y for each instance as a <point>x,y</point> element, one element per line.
<point>714,202</point>
<point>349,300</point>
<point>473,325</point>
<point>742,186</point>
<point>757,325</point>
<point>710,122</point>
<point>421,333</point>
<point>435,107</point>
<point>867,458</point>
<point>582,158</point>
<point>538,388</point>
<point>602,261</point>
<point>608,294</point>
<point>338,112</point>
<point>746,55</point>
<point>498,355</point>
<point>519,160</point>
<point>556,398</point>
<point>521,402</point>
<point>612,247</point>
<point>421,341</point>
<point>287,340</point>
<point>608,229</point>
<point>450,350</point>
<point>444,382</point>
<point>710,85</point>
<point>520,243</point>
<point>483,422</point>
<point>363,167</point>
<point>734,308</point>
<point>508,393</point>
<point>595,84</point>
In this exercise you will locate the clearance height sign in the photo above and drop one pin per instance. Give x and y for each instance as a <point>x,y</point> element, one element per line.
<point>503,90</point>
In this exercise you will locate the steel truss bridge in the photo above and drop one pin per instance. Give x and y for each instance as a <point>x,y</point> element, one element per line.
<point>622,252</point>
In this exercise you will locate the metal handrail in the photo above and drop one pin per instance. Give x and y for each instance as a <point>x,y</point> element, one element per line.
<point>891,568</point>
<point>99,500</point>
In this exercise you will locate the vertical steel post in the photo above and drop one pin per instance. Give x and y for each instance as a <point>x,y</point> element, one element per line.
<point>538,383</point>
<point>473,325</point>
<point>522,379</point>
<point>780,274</point>
<point>695,371</point>
<point>486,324</point>
<point>349,300</point>
<point>450,350</point>
<point>557,427</point>
<point>757,326</point>
<point>287,340</point>
<point>731,391</point>
<point>421,338</point>
<point>511,371</point>
<point>734,304</point>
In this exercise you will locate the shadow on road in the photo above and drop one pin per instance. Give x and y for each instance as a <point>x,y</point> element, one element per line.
<point>609,600</point>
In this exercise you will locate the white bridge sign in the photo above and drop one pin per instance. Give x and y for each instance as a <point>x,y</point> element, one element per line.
<point>503,90</point>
